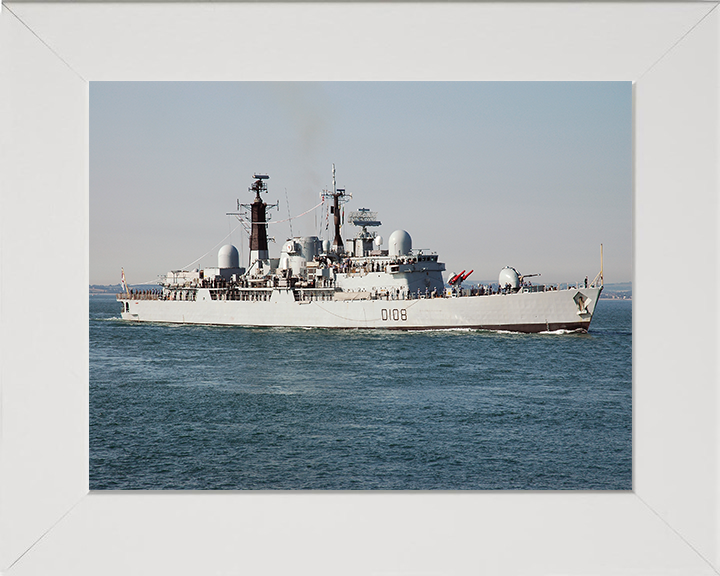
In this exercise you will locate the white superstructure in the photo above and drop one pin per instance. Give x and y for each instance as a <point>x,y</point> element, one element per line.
<point>354,284</point>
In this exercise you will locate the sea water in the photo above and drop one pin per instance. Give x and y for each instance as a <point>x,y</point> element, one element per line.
<point>230,408</point>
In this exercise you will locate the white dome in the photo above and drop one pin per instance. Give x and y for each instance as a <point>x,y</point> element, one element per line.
<point>509,275</point>
<point>228,257</point>
<point>399,243</point>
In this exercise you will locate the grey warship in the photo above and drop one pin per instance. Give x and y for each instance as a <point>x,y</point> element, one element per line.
<point>316,283</point>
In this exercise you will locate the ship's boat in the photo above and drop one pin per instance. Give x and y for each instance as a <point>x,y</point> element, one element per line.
<point>354,284</point>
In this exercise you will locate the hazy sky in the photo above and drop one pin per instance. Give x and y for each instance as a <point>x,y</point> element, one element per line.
<point>534,175</point>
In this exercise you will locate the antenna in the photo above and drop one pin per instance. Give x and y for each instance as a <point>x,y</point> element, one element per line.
<point>364,218</point>
<point>289,215</point>
<point>338,195</point>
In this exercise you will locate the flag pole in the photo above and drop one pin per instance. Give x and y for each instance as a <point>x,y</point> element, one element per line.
<point>122,273</point>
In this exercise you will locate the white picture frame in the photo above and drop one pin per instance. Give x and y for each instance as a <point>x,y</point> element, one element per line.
<point>49,522</point>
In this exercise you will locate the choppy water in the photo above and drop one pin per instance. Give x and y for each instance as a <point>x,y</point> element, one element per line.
<point>194,407</point>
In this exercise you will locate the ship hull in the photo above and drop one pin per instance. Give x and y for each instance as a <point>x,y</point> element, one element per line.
<point>569,309</point>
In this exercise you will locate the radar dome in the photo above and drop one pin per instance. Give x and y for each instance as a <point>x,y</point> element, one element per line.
<point>399,243</point>
<point>509,275</point>
<point>228,257</point>
<point>378,241</point>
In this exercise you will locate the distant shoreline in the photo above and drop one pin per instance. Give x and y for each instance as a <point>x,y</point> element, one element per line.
<point>616,297</point>
<point>117,288</point>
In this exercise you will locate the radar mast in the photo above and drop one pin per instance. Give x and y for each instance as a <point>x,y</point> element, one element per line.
<point>339,196</point>
<point>258,234</point>
<point>258,220</point>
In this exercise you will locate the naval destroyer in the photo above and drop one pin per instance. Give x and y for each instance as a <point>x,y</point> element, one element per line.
<point>353,284</point>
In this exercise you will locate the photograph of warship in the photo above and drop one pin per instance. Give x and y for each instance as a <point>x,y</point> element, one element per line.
<point>354,284</point>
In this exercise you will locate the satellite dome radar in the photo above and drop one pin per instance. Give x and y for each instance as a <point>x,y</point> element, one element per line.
<point>228,257</point>
<point>400,243</point>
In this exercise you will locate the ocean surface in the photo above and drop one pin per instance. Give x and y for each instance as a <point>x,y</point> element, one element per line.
<point>213,408</point>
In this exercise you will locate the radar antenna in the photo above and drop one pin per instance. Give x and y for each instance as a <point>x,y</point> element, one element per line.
<point>259,184</point>
<point>363,218</point>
